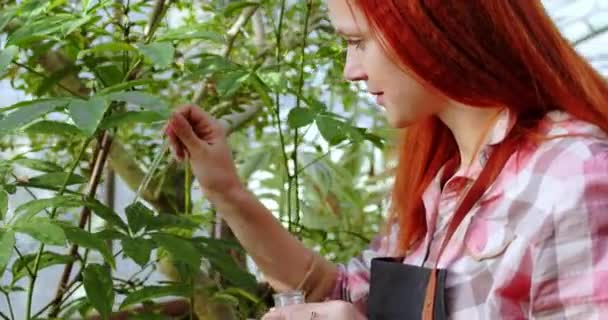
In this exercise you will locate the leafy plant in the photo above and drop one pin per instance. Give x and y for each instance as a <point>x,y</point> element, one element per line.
<point>100,77</point>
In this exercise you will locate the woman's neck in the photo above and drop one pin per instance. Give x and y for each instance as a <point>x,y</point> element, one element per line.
<point>470,127</point>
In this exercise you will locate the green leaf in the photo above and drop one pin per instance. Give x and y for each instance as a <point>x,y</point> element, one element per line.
<point>223,262</point>
<point>85,6</point>
<point>128,85</point>
<point>300,117</point>
<point>138,249</point>
<point>225,298</point>
<point>47,127</point>
<point>130,118</point>
<point>53,180</point>
<point>42,229</point>
<point>6,16</point>
<point>181,249</point>
<point>211,64</point>
<point>161,54</point>
<point>110,234</point>
<point>110,73</point>
<point>136,215</point>
<point>11,288</point>
<point>88,240</point>
<point>72,26</point>
<point>31,208</point>
<point>142,99</point>
<point>87,114</point>
<point>189,32</point>
<point>7,242</point>
<point>27,112</point>
<point>38,165</point>
<point>237,6</point>
<point>99,288</point>
<point>3,203</point>
<point>228,84</point>
<point>152,292</point>
<point>106,213</point>
<point>140,217</point>
<point>6,57</point>
<point>47,259</point>
<point>274,80</point>
<point>331,129</point>
<point>163,221</point>
<point>57,25</point>
<point>50,82</point>
<point>233,291</point>
<point>114,47</point>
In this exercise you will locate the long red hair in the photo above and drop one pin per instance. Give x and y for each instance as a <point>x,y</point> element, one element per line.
<point>481,53</point>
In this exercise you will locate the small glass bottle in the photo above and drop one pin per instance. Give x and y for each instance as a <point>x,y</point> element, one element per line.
<point>288,298</point>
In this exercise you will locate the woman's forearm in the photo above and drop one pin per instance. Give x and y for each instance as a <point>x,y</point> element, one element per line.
<point>280,256</point>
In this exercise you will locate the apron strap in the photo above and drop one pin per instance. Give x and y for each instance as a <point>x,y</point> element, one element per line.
<point>429,298</point>
<point>474,189</point>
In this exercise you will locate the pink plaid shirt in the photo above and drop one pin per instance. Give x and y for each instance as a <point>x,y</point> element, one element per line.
<point>534,246</point>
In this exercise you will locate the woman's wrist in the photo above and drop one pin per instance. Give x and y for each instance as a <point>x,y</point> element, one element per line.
<point>230,194</point>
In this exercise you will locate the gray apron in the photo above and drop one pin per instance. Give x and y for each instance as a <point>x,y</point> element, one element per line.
<point>398,291</point>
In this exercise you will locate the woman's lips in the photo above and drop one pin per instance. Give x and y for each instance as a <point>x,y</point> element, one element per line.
<point>380,99</point>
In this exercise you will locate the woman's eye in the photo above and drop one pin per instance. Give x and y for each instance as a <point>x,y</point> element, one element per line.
<point>356,43</point>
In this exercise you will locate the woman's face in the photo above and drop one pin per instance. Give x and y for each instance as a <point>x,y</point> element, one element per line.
<point>404,99</point>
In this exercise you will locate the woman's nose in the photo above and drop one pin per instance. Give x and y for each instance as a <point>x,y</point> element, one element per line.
<point>353,70</point>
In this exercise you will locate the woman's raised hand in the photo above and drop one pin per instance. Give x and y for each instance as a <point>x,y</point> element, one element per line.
<point>201,139</point>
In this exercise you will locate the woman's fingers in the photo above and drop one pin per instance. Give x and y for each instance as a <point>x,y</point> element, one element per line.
<point>202,123</point>
<point>176,145</point>
<point>184,132</point>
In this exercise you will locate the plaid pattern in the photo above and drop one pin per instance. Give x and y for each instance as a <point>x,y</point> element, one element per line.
<point>534,246</point>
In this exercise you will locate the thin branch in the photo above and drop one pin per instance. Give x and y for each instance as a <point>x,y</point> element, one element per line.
<point>27,268</point>
<point>42,75</point>
<point>231,35</point>
<point>10,305</point>
<point>298,102</point>
<point>63,188</point>
<point>590,36</point>
<point>99,163</point>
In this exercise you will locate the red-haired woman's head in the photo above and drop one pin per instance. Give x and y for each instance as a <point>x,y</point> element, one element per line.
<point>430,56</point>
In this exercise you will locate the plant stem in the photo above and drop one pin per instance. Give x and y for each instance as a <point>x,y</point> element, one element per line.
<point>29,271</point>
<point>277,111</point>
<point>42,75</point>
<point>52,302</point>
<point>99,161</point>
<point>317,159</point>
<point>10,305</point>
<point>298,102</point>
<point>32,283</point>
<point>187,211</point>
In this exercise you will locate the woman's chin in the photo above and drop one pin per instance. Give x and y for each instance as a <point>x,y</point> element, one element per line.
<point>398,122</point>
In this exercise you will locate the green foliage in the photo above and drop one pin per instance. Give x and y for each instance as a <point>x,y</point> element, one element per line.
<point>96,67</point>
<point>7,241</point>
<point>42,229</point>
<point>99,287</point>
<point>152,292</point>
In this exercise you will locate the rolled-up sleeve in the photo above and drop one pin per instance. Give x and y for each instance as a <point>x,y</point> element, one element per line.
<point>352,283</point>
<point>570,272</point>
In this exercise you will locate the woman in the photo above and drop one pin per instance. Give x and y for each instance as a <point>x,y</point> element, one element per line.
<point>500,202</point>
